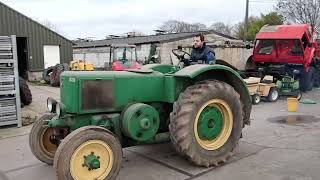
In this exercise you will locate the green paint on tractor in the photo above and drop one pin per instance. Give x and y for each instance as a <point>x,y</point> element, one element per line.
<point>91,161</point>
<point>143,106</point>
<point>87,93</point>
<point>210,123</point>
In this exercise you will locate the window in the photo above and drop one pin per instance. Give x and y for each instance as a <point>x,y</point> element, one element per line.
<point>264,46</point>
<point>304,41</point>
<point>124,54</point>
<point>296,49</point>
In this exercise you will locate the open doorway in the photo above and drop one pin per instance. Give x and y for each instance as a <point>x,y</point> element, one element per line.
<point>22,53</point>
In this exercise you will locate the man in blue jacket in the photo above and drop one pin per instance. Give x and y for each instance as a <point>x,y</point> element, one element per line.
<point>200,51</point>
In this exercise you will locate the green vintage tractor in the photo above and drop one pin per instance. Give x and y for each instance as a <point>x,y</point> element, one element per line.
<point>202,109</point>
<point>289,85</point>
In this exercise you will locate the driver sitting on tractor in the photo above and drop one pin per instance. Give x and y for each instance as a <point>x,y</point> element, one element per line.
<point>200,52</point>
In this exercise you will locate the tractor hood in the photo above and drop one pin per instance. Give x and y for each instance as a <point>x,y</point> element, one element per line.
<point>101,91</point>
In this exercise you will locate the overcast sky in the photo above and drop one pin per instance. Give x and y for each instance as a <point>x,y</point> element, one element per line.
<point>98,18</point>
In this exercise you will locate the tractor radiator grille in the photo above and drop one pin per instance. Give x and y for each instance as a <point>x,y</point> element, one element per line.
<point>97,94</point>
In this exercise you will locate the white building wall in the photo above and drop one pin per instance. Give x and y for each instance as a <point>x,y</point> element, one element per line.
<point>237,57</point>
<point>143,52</point>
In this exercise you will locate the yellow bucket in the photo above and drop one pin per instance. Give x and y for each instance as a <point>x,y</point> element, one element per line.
<point>292,104</point>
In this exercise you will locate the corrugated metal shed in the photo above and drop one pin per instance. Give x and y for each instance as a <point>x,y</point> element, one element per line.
<point>15,23</point>
<point>159,38</point>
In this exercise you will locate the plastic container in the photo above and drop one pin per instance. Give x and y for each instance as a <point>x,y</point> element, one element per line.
<point>292,104</point>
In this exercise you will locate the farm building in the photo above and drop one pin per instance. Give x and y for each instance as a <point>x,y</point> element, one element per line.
<point>37,46</point>
<point>98,52</point>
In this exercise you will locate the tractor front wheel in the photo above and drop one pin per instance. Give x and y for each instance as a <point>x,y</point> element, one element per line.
<point>206,123</point>
<point>89,152</point>
<point>40,140</point>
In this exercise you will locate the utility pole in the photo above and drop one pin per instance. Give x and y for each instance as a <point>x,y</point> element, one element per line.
<point>246,21</point>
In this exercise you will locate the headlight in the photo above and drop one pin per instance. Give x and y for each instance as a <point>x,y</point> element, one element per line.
<point>60,109</point>
<point>51,104</point>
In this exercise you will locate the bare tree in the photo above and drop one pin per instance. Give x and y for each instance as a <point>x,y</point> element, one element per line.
<point>221,27</point>
<point>197,27</point>
<point>300,11</point>
<point>50,25</point>
<point>174,26</point>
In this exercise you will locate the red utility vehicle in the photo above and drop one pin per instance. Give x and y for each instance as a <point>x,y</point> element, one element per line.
<point>280,49</point>
<point>123,57</point>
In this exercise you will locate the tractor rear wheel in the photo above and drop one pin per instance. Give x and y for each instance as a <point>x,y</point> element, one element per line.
<point>89,152</point>
<point>55,75</point>
<point>46,74</point>
<point>25,93</point>
<point>206,123</point>
<point>308,79</point>
<point>317,78</point>
<point>40,140</point>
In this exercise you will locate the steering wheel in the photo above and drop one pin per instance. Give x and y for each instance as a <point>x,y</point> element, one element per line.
<point>181,55</point>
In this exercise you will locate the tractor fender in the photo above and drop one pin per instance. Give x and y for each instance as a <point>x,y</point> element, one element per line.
<point>163,68</point>
<point>202,72</point>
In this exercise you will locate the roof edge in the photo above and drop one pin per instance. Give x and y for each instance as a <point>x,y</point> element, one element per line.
<point>1,3</point>
<point>188,35</point>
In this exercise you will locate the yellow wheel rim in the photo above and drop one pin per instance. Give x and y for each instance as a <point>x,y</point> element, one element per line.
<point>47,146</point>
<point>106,158</point>
<point>225,133</point>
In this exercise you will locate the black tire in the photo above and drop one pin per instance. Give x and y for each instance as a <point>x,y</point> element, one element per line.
<point>307,80</point>
<point>66,67</point>
<point>55,75</point>
<point>255,99</point>
<point>183,118</point>
<point>273,94</point>
<point>46,74</point>
<point>36,140</point>
<point>316,78</point>
<point>25,93</point>
<point>78,137</point>
<point>250,65</point>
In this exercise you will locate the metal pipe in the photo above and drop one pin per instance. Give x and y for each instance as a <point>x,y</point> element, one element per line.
<point>160,138</point>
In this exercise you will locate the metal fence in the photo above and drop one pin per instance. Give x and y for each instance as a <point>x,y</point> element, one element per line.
<point>10,106</point>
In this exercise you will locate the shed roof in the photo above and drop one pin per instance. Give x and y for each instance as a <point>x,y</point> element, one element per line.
<point>37,23</point>
<point>146,39</point>
<point>294,31</point>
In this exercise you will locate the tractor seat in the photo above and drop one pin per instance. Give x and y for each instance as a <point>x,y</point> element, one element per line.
<point>267,79</point>
<point>252,80</point>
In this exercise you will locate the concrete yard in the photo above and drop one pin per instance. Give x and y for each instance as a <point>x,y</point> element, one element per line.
<point>273,147</point>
